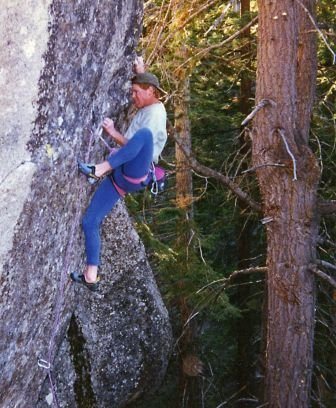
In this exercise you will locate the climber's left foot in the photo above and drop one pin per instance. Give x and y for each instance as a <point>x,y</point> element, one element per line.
<point>89,171</point>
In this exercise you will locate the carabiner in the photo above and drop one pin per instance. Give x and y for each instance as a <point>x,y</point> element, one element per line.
<point>43,364</point>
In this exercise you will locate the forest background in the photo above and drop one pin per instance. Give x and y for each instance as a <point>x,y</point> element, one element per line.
<point>205,54</point>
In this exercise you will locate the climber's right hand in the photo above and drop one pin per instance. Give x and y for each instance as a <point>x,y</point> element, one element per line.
<point>108,126</point>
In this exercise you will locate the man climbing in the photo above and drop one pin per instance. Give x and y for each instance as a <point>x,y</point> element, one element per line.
<point>127,168</point>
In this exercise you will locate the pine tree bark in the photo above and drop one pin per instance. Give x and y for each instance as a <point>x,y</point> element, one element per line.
<point>286,76</point>
<point>184,191</point>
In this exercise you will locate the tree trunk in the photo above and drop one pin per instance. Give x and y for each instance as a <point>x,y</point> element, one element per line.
<point>64,66</point>
<point>188,393</point>
<point>286,59</point>
<point>184,202</point>
<point>184,191</point>
<point>246,82</point>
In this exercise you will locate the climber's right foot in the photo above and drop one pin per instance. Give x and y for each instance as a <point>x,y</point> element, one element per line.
<point>80,278</point>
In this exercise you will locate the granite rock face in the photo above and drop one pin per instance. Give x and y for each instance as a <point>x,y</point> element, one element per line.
<point>65,66</point>
<point>119,338</point>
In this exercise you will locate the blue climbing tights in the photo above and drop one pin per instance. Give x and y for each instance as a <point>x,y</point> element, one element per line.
<point>135,158</point>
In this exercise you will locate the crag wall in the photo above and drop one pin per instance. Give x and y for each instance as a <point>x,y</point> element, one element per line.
<point>64,65</point>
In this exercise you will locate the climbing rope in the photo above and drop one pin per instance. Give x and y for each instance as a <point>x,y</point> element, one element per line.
<point>99,134</point>
<point>47,362</point>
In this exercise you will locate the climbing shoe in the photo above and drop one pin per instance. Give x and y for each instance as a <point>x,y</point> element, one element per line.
<point>80,278</point>
<point>89,171</point>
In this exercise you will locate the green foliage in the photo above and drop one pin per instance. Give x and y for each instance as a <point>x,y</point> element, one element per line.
<point>323,141</point>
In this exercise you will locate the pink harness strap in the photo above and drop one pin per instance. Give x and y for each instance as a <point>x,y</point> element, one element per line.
<point>121,192</point>
<point>132,180</point>
<point>135,180</point>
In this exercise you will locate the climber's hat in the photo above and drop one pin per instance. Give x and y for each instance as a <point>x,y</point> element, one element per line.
<point>148,78</point>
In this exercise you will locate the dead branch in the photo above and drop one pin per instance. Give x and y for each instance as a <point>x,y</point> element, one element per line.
<point>323,275</point>
<point>220,18</point>
<point>326,241</point>
<point>253,169</point>
<point>256,109</point>
<point>326,264</point>
<point>283,137</point>
<point>208,172</point>
<point>247,271</point>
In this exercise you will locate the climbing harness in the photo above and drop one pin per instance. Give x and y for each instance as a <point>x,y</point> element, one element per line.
<point>155,180</point>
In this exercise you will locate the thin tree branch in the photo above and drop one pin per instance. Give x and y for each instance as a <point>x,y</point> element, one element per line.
<point>247,271</point>
<point>201,251</point>
<point>220,18</point>
<point>252,169</point>
<point>206,171</point>
<point>256,109</point>
<point>326,241</point>
<point>326,264</point>
<point>282,134</point>
<point>323,275</point>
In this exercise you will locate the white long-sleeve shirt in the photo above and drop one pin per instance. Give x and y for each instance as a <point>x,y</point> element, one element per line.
<point>153,117</point>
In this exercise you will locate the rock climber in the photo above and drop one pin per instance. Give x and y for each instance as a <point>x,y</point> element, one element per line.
<point>126,169</point>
